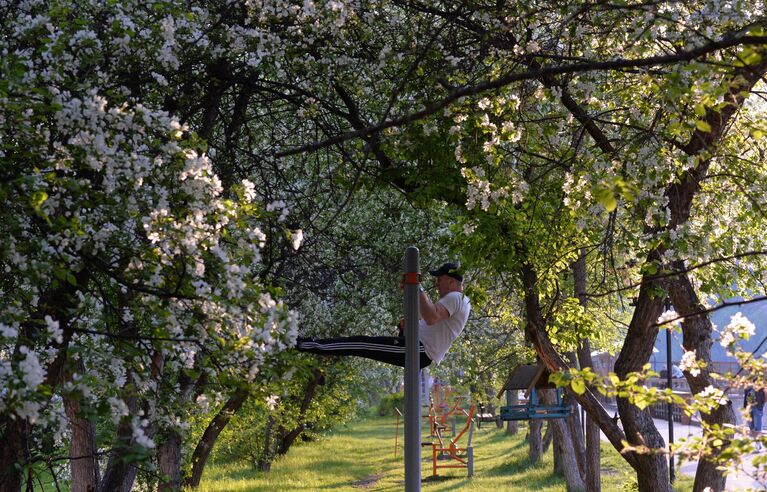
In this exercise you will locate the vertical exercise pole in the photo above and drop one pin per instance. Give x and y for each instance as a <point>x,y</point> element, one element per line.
<point>669,405</point>
<point>412,373</point>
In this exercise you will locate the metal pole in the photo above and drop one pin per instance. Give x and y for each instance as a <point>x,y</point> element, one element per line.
<point>412,373</point>
<point>670,407</point>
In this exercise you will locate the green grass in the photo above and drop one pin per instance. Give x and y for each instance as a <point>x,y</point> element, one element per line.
<point>360,456</point>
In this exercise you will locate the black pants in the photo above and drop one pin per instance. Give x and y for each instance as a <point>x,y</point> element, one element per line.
<point>390,350</point>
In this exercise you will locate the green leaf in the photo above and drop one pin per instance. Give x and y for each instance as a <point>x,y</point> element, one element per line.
<point>71,279</point>
<point>703,126</point>
<point>578,385</point>
<point>606,198</point>
<point>37,199</point>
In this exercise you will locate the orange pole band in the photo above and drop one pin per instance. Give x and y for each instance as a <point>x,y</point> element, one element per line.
<point>411,278</point>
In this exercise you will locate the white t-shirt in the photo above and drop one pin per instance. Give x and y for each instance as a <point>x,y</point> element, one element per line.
<point>438,337</point>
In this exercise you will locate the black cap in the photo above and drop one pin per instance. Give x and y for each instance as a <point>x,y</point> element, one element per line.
<point>449,269</point>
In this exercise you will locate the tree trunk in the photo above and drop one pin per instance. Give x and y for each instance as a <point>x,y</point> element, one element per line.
<point>536,333</point>
<point>120,473</point>
<point>83,462</point>
<point>289,437</point>
<point>652,469</point>
<point>548,438</point>
<point>208,439</point>
<point>575,429</point>
<point>13,453</point>
<point>593,469</point>
<point>512,398</point>
<point>566,461</point>
<point>696,331</point>
<point>535,443</point>
<point>15,432</point>
<point>591,465</point>
<point>169,462</point>
<point>573,425</point>
<point>264,462</point>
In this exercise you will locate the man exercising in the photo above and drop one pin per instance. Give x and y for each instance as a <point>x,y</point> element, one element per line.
<point>439,325</point>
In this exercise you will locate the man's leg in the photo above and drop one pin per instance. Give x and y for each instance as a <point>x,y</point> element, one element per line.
<point>390,350</point>
<point>756,419</point>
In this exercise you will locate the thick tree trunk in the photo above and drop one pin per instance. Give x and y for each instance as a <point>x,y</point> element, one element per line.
<point>209,437</point>
<point>14,434</point>
<point>289,437</point>
<point>566,461</point>
<point>591,464</point>
<point>120,473</point>
<point>169,462</point>
<point>512,426</point>
<point>697,330</point>
<point>83,462</point>
<point>593,469</point>
<point>264,461</point>
<point>535,332</point>
<point>652,469</point>
<point>547,439</point>
<point>575,429</point>
<point>534,441</point>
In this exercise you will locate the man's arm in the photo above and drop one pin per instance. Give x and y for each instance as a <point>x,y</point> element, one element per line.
<point>431,312</point>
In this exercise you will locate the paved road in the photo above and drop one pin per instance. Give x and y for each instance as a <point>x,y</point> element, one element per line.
<point>738,482</point>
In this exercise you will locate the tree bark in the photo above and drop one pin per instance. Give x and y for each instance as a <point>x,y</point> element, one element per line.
<point>169,461</point>
<point>120,474</point>
<point>575,429</point>
<point>535,443</point>
<point>696,331</point>
<point>535,332</point>
<point>512,426</point>
<point>652,469</point>
<point>14,434</point>
<point>83,462</point>
<point>208,439</point>
<point>556,451</point>
<point>566,461</point>
<point>264,461</point>
<point>548,438</point>
<point>289,437</point>
<point>591,466</point>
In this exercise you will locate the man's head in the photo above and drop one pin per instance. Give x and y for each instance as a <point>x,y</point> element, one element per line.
<point>448,278</point>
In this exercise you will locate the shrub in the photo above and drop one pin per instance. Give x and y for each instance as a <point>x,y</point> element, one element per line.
<point>389,402</point>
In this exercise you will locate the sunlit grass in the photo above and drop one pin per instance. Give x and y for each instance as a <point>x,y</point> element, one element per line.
<point>360,456</point>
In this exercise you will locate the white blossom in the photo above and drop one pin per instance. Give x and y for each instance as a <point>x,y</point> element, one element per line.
<point>739,328</point>
<point>667,316</point>
<point>689,363</point>
<point>53,328</point>
<point>272,401</point>
<point>297,238</point>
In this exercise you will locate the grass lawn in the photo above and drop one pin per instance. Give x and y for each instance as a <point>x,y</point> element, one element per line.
<point>360,456</point>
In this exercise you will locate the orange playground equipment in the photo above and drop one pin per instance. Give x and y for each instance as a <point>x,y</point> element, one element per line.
<point>441,410</point>
<point>458,457</point>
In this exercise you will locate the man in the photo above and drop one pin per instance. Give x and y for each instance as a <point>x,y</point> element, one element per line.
<point>754,401</point>
<point>439,325</point>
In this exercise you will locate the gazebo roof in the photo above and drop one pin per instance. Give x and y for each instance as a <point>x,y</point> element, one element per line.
<point>527,377</point>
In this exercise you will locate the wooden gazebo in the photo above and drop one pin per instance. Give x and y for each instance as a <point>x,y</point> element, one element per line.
<point>531,379</point>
